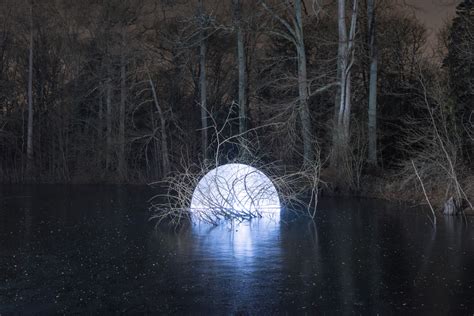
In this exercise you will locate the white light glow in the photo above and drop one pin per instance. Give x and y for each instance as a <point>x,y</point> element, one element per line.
<point>235,189</point>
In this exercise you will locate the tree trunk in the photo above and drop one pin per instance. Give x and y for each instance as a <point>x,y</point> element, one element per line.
<point>164,139</point>
<point>242,69</point>
<point>450,207</point>
<point>108,123</point>
<point>303,87</point>
<point>29,141</point>
<point>346,59</point>
<point>100,125</point>
<point>347,107</point>
<point>339,131</point>
<point>123,96</point>
<point>203,83</point>
<point>337,99</point>
<point>372,110</point>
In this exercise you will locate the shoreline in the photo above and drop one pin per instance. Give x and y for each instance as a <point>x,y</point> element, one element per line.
<point>385,187</point>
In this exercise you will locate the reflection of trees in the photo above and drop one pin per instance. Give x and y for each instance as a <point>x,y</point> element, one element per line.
<point>342,267</point>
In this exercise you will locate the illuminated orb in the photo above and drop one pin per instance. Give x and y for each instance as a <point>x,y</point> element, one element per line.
<point>235,189</point>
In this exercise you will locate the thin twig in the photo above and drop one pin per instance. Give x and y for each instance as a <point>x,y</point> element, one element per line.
<point>424,192</point>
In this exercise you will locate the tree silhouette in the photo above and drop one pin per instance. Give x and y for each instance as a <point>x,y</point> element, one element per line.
<point>460,65</point>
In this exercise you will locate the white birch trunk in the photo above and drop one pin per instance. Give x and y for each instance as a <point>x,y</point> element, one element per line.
<point>346,59</point>
<point>342,62</point>
<point>350,62</point>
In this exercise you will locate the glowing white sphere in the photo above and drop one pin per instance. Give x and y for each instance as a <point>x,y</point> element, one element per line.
<point>235,189</point>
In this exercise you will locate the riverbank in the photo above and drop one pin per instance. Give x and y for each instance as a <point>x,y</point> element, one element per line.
<point>379,184</point>
<point>394,187</point>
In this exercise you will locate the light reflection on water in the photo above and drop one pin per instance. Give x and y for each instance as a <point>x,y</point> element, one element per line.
<point>240,239</point>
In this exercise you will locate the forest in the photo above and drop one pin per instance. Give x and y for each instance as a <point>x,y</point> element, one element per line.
<point>132,91</point>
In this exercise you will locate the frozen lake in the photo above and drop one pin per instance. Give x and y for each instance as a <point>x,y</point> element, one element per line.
<point>91,249</point>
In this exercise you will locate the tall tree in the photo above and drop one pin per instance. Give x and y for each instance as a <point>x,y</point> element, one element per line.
<point>372,108</point>
<point>242,62</point>
<point>303,85</point>
<point>203,80</point>
<point>123,99</point>
<point>460,64</point>
<point>29,141</point>
<point>108,120</point>
<point>294,33</point>
<point>165,160</point>
<point>345,63</point>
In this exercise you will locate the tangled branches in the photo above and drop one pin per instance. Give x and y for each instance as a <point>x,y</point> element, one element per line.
<point>236,192</point>
<point>239,189</point>
<point>434,142</point>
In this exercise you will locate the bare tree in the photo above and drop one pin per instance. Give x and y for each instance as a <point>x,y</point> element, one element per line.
<point>346,61</point>
<point>303,86</point>
<point>108,120</point>
<point>372,109</point>
<point>242,65</point>
<point>294,33</point>
<point>203,80</point>
<point>29,142</point>
<point>164,137</point>
<point>123,98</point>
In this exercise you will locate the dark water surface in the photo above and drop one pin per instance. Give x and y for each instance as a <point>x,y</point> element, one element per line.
<point>91,249</point>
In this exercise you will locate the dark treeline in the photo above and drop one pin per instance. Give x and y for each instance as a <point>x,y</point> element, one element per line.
<point>126,90</point>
